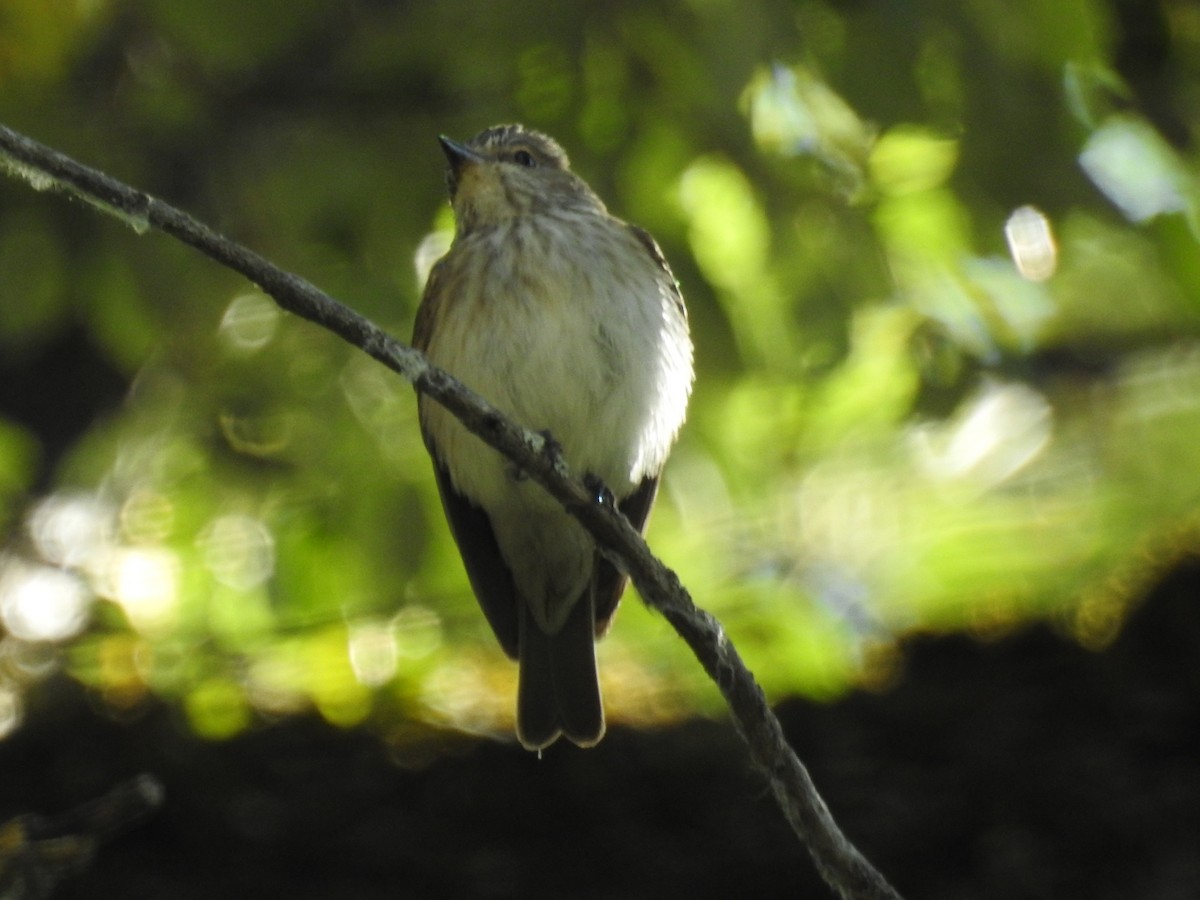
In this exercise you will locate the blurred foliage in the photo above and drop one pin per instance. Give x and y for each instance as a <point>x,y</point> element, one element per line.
<point>941,262</point>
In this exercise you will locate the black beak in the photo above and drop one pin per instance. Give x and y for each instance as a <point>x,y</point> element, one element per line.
<point>460,156</point>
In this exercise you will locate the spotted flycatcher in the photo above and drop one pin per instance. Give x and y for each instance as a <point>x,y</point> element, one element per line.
<point>569,321</point>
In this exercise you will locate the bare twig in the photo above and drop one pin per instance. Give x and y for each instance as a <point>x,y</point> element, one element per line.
<point>840,863</point>
<point>38,852</point>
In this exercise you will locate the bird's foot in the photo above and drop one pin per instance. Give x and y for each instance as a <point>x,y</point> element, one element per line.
<point>599,490</point>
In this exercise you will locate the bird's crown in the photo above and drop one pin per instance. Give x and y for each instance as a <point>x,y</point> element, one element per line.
<point>509,142</point>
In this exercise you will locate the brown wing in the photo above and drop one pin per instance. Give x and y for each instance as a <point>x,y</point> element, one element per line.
<point>610,581</point>
<point>490,577</point>
<point>660,260</point>
<point>427,311</point>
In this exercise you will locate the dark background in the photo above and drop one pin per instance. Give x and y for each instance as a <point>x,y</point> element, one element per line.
<point>1024,767</point>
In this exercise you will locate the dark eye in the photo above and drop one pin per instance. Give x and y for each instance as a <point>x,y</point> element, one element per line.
<point>524,158</point>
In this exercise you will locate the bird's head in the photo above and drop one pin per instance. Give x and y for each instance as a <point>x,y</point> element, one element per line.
<point>508,171</point>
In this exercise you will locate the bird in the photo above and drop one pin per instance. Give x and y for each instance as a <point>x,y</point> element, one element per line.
<point>570,322</point>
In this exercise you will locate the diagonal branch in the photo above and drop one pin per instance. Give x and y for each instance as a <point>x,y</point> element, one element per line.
<point>840,863</point>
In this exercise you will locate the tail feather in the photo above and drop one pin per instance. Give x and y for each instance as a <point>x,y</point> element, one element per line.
<point>537,707</point>
<point>559,689</point>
